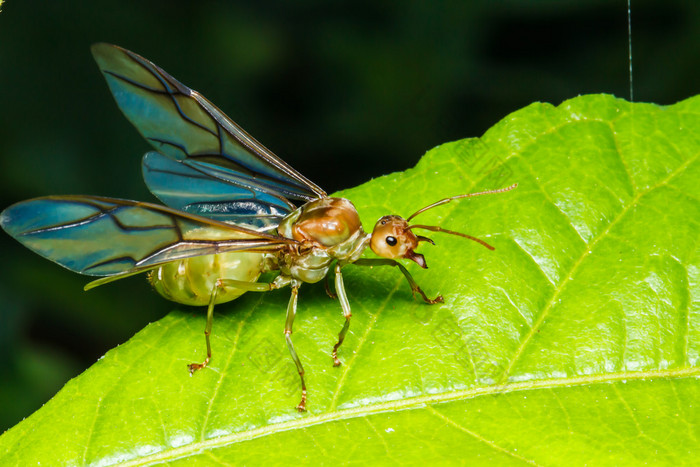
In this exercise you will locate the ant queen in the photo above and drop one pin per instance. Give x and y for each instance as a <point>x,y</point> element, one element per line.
<point>229,212</point>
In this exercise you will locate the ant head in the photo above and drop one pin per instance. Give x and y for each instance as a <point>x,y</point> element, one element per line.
<point>392,236</point>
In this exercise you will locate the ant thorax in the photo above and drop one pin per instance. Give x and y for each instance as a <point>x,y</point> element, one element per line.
<point>328,229</point>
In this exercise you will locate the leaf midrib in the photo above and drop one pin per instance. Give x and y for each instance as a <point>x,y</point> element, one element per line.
<point>408,404</point>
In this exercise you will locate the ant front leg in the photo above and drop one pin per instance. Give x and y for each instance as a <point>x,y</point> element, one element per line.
<point>415,288</point>
<point>343,298</point>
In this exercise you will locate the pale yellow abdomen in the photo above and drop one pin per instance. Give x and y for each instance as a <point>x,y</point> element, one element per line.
<point>191,281</point>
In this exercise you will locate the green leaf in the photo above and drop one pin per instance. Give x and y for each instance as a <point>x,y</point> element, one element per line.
<point>575,341</point>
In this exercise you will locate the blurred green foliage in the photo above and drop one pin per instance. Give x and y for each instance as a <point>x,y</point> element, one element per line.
<point>343,91</point>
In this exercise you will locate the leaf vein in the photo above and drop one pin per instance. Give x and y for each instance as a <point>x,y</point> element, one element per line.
<point>225,372</point>
<point>586,252</point>
<point>361,340</point>
<point>480,438</point>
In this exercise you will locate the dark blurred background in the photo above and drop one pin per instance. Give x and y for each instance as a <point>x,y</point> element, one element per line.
<point>343,91</point>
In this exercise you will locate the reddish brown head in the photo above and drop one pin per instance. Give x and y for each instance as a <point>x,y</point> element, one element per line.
<point>392,236</point>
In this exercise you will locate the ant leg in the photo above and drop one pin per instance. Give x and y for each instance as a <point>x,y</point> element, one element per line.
<point>343,298</point>
<point>252,286</point>
<point>390,262</point>
<point>220,285</point>
<point>327,286</point>
<point>207,329</point>
<point>291,312</point>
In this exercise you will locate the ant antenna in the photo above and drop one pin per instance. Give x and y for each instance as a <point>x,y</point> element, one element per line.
<point>469,195</point>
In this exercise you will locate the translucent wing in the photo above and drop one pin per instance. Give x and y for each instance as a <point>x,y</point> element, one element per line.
<point>187,189</point>
<point>184,126</point>
<point>106,236</point>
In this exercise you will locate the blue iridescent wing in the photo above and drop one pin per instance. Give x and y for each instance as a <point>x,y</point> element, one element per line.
<point>101,236</point>
<point>183,187</point>
<point>184,126</point>
<point>195,188</point>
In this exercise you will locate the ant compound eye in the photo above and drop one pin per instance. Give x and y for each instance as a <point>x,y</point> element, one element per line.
<point>391,241</point>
